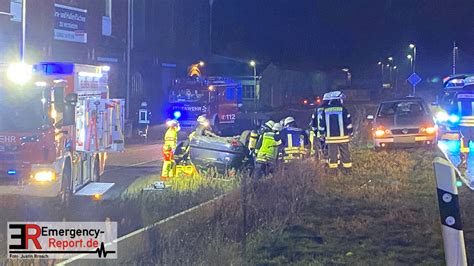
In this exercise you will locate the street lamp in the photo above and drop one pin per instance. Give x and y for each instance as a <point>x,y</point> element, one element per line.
<point>412,46</point>
<point>348,74</point>
<point>390,58</point>
<point>410,57</point>
<point>253,64</point>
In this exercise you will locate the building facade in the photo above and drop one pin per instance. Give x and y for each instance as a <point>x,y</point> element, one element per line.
<point>77,31</point>
<point>167,37</point>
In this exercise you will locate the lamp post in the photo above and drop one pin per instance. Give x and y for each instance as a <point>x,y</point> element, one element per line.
<point>348,75</point>
<point>257,92</point>
<point>381,67</point>
<point>396,79</point>
<point>410,57</point>
<point>412,46</point>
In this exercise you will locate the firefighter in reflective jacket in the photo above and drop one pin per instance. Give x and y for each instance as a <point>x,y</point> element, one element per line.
<point>256,135</point>
<point>318,143</point>
<point>336,127</point>
<point>169,147</point>
<point>463,107</point>
<point>267,151</point>
<point>294,141</point>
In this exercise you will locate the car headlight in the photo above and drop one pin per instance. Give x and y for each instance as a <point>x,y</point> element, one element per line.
<point>44,176</point>
<point>381,132</point>
<point>442,116</point>
<point>428,130</point>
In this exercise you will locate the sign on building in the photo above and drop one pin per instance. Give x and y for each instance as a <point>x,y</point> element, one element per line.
<point>70,23</point>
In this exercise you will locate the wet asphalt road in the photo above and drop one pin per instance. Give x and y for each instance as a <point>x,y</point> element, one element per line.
<point>121,168</point>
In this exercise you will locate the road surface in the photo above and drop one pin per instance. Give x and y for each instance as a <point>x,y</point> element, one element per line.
<point>122,169</point>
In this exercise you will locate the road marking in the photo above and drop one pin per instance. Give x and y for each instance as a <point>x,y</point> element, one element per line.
<point>148,227</point>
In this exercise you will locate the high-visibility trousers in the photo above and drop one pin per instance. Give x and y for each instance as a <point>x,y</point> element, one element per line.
<point>336,149</point>
<point>168,165</point>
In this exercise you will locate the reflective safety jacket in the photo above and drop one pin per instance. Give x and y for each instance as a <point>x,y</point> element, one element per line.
<point>315,118</point>
<point>336,124</point>
<point>294,141</point>
<point>464,107</point>
<point>171,138</point>
<point>267,148</point>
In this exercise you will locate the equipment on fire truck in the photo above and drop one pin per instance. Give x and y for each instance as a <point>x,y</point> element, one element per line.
<point>61,122</point>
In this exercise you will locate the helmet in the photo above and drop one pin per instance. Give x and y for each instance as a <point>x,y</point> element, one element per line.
<point>277,127</point>
<point>289,120</point>
<point>269,124</point>
<point>334,95</point>
<point>143,104</point>
<point>202,120</point>
<point>172,123</point>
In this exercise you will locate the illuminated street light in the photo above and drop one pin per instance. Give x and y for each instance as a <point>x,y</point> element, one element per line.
<point>345,69</point>
<point>411,46</point>
<point>394,67</point>
<point>409,56</point>
<point>19,73</point>
<point>257,92</point>
<point>390,58</point>
<point>379,63</point>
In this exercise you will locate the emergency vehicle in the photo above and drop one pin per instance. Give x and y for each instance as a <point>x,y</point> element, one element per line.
<point>56,129</point>
<point>455,88</point>
<point>220,99</point>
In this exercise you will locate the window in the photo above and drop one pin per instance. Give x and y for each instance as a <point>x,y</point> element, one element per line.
<point>248,91</point>
<point>15,9</point>
<point>107,19</point>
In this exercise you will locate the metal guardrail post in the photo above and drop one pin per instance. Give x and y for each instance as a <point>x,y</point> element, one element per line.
<point>451,224</point>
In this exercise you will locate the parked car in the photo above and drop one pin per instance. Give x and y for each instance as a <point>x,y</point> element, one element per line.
<point>405,122</point>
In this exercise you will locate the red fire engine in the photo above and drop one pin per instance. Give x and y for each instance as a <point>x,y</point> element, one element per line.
<point>56,129</point>
<point>218,98</point>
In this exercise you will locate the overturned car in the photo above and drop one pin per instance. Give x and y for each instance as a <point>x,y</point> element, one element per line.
<point>217,153</point>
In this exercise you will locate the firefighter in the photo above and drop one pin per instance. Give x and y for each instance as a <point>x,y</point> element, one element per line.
<point>169,148</point>
<point>319,145</point>
<point>462,106</point>
<point>267,151</point>
<point>335,126</point>
<point>204,128</point>
<point>256,135</point>
<point>171,135</point>
<point>294,140</point>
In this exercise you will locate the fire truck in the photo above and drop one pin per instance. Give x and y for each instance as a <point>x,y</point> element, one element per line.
<point>57,124</point>
<point>220,99</point>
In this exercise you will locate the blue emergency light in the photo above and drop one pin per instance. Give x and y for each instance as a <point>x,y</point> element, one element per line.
<point>11,172</point>
<point>177,114</point>
<point>53,68</point>
<point>453,119</point>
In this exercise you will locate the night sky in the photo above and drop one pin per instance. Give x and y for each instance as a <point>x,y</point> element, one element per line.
<point>312,34</point>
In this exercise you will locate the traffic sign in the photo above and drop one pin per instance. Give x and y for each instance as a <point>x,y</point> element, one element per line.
<point>414,79</point>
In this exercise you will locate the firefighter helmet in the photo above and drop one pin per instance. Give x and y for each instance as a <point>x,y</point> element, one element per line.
<point>289,120</point>
<point>143,104</point>
<point>172,123</point>
<point>277,127</point>
<point>269,124</point>
<point>333,95</point>
<point>202,120</point>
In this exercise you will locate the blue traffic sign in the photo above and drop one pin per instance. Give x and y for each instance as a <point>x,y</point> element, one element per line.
<point>414,79</point>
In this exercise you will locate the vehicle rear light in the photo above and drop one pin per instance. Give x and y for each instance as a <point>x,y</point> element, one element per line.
<point>305,102</point>
<point>234,143</point>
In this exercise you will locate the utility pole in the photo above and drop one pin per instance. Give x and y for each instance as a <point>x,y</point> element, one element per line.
<point>129,49</point>
<point>455,49</point>
<point>23,31</point>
